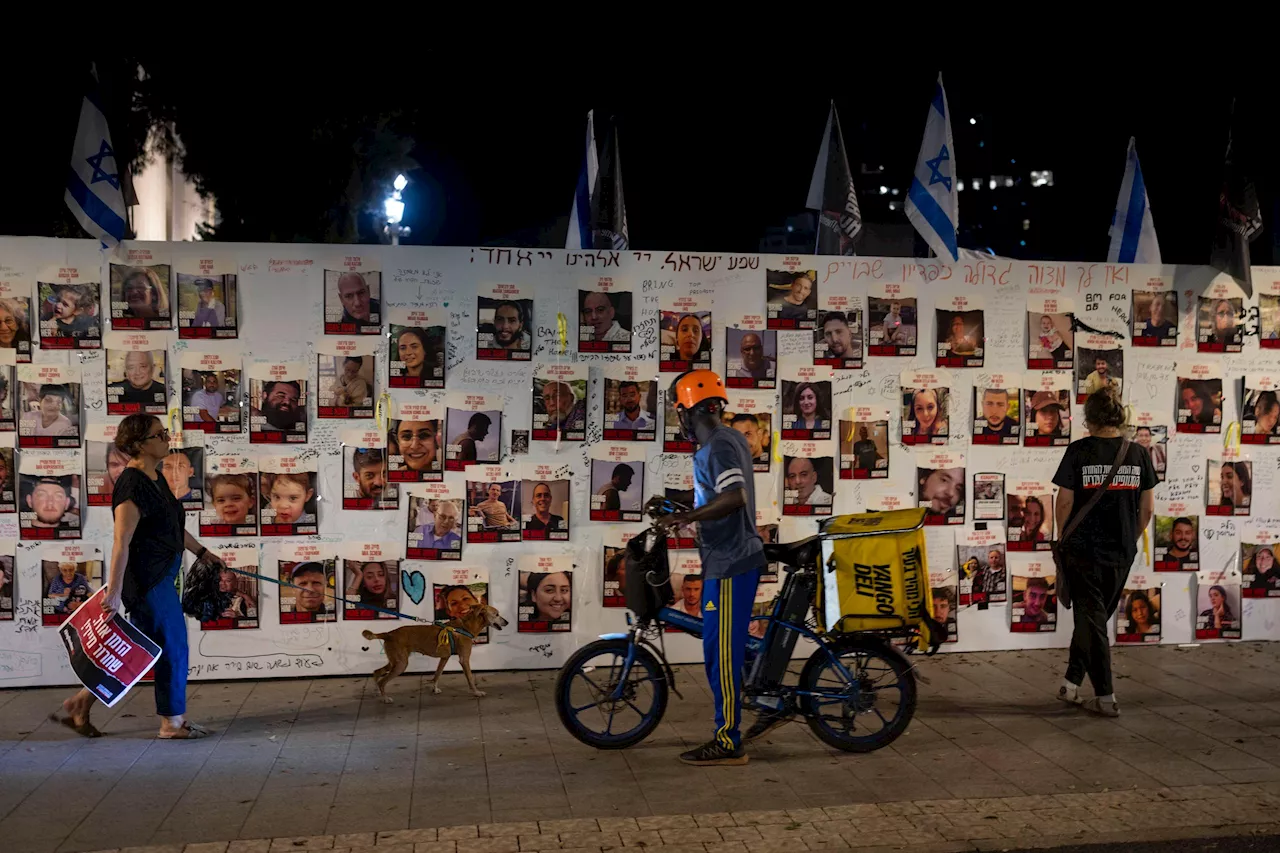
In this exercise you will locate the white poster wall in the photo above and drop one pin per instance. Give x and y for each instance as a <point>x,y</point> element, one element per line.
<point>279,302</point>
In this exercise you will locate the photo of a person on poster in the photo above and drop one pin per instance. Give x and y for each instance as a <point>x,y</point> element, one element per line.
<point>942,492</point>
<point>183,470</point>
<point>1235,487</point>
<point>357,295</point>
<point>616,489</point>
<point>959,337</point>
<point>559,409</point>
<point>837,340</point>
<point>472,437</point>
<point>1261,414</point>
<point>208,399</point>
<point>417,356</point>
<point>1035,602</point>
<point>347,382</point>
<point>1049,337</point>
<point>540,522</point>
<point>1154,439</point>
<point>1177,543</point>
<point>435,525</point>
<point>629,407</point>
<point>15,326</point>
<point>755,428</point>
<point>1141,613</point>
<point>310,598</point>
<point>69,316</point>
<point>367,468</point>
<point>8,480</point>
<point>135,382</point>
<point>1200,402</point>
<point>67,587</point>
<point>925,414</point>
<point>944,609</point>
<point>417,447</point>
<point>493,504</point>
<point>615,576</point>
<point>997,421</point>
<point>606,318</point>
<point>374,583</point>
<point>279,409</point>
<point>1097,369</point>
<point>1218,608</point>
<point>867,455</point>
<point>792,299</point>
<point>1219,328</point>
<point>1155,318</point>
<point>752,357</point>
<point>288,501</point>
<point>1048,416</point>
<point>140,297</point>
<point>6,588</point>
<point>808,482</point>
<point>505,326</point>
<point>1261,574</point>
<point>50,410</point>
<point>50,503</point>
<point>231,499</point>
<point>244,595</point>
<point>893,322</point>
<point>210,300</point>
<point>546,600</point>
<point>806,409</point>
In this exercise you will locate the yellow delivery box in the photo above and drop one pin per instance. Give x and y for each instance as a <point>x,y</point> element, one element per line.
<point>875,575</point>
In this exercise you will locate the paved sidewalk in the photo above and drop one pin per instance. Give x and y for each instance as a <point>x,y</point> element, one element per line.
<point>991,760</point>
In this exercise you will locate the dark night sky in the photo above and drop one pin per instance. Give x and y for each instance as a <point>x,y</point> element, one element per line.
<point>710,158</point>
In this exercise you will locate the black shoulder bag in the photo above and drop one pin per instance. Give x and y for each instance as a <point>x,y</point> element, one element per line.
<point>1064,593</point>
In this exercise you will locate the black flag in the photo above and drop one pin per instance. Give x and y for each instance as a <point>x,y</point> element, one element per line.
<point>831,194</point>
<point>608,207</point>
<point>1239,217</point>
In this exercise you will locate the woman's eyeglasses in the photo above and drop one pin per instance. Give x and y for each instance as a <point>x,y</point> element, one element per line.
<point>164,433</point>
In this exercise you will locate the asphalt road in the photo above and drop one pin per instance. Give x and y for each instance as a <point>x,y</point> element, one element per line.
<point>1239,844</point>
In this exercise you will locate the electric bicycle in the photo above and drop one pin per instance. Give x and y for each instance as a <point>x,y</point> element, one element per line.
<point>856,691</point>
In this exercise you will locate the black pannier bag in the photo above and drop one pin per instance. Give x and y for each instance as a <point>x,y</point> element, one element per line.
<point>648,576</point>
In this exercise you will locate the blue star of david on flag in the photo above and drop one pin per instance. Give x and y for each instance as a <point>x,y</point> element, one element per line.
<point>93,180</point>
<point>935,169</point>
<point>933,203</point>
<point>100,174</point>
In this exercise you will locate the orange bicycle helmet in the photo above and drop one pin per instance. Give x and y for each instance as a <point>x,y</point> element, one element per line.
<point>698,385</point>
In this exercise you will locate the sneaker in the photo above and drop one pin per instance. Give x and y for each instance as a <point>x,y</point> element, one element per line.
<point>712,753</point>
<point>1105,709</point>
<point>1071,697</point>
<point>765,723</point>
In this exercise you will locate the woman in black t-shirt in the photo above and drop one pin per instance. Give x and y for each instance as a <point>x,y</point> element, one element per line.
<point>150,537</point>
<point>1096,557</point>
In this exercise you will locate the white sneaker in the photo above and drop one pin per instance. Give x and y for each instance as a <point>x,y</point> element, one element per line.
<point>1105,709</point>
<point>1069,695</point>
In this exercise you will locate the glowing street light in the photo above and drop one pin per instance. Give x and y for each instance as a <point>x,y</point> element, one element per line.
<point>393,207</point>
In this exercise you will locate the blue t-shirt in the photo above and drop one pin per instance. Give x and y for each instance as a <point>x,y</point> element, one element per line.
<point>730,545</point>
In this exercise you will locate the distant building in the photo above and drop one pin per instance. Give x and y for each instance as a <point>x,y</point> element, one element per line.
<point>168,208</point>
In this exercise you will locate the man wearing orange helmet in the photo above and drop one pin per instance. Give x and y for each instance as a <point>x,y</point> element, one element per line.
<point>731,550</point>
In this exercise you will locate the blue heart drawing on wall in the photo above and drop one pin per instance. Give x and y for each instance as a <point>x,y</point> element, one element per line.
<point>414,585</point>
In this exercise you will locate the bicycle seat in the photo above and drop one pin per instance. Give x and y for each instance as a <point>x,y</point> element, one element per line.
<point>802,552</point>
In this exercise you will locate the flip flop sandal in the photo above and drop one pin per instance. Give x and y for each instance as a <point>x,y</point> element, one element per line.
<point>189,731</point>
<point>85,729</point>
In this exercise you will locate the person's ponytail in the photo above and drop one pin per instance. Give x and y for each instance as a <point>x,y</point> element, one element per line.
<point>1104,409</point>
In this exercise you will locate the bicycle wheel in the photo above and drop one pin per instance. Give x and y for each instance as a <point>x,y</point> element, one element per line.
<point>865,712</point>
<point>588,680</point>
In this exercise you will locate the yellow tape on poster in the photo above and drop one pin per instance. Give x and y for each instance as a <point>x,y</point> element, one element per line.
<point>879,577</point>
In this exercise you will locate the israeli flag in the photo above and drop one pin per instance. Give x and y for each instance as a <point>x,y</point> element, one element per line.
<point>1133,231</point>
<point>933,202</point>
<point>579,236</point>
<point>93,182</point>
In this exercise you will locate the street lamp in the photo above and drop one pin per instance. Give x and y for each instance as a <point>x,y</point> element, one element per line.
<point>393,207</point>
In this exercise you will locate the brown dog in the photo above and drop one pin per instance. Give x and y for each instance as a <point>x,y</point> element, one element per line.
<point>442,641</point>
